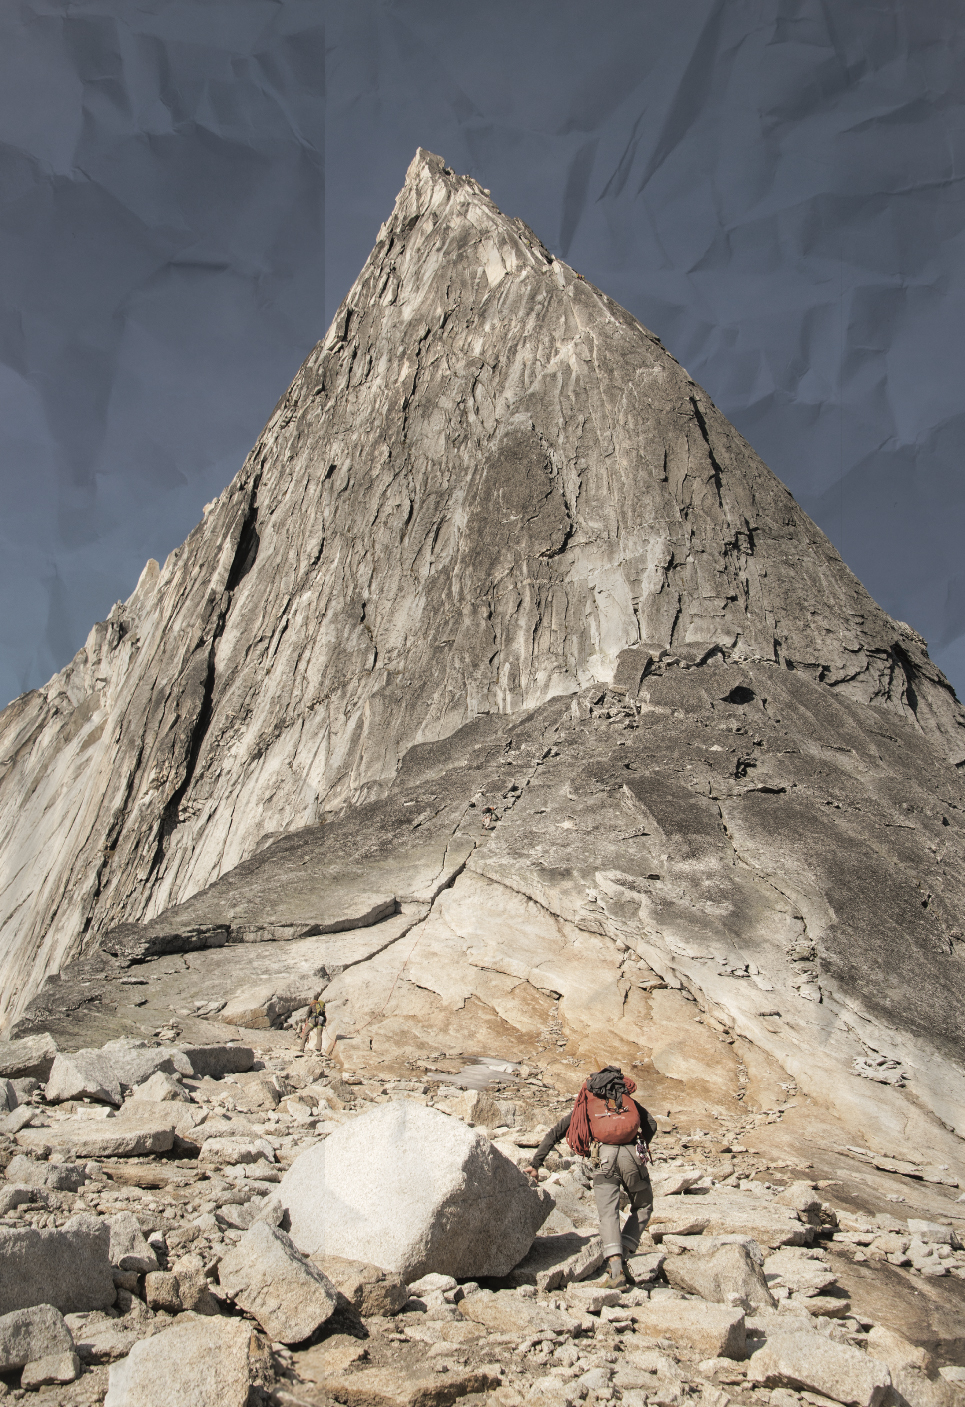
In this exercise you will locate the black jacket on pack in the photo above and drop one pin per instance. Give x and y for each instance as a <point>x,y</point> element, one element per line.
<point>648,1127</point>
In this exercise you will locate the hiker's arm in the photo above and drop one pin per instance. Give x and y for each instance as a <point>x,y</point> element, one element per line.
<point>550,1140</point>
<point>648,1124</point>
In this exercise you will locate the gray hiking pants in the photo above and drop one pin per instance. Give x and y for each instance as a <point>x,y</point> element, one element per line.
<point>621,1169</point>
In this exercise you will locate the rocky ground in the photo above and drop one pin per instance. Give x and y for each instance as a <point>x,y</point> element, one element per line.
<point>777,1269</point>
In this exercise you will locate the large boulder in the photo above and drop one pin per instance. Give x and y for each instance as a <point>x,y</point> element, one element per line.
<point>61,1177</point>
<point>29,1058</point>
<point>728,1275</point>
<point>413,1190</point>
<point>103,1074</point>
<point>268,1003</point>
<point>135,1135</point>
<point>712,1330</point>
<point>193,1365</point>
<point>810,1362</point>
<point>219,1060</point>
<point>83,1074</point>
<point>552,1261</point>
<point>265,1276</point>
<point>134,1061</point>
<point>366,1287</point>
<point>69,1269</point>
<point>506,1312</point>
<point>29,1334</point>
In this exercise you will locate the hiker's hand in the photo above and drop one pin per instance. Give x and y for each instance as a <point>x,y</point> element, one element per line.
<point>531,1172</point>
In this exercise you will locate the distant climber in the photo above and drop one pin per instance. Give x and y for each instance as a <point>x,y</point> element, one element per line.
<point>618,1130</point>
<point>314,1021</point>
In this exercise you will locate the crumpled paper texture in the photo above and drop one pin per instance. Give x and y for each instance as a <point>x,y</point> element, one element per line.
<point>188,187</point>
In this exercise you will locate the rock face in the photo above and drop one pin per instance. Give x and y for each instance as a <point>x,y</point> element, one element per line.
<point>30,1334</point>
<point>267,1278</point>
<point>727,1275</point>
<point>68,1269</point>
<point>616,762</point>
<point>192,1365</point>
<point>835,1370</point>
<point>440,1197</point>
<point>488,487</point>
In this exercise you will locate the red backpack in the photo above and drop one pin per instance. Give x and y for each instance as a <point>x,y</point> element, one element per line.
<point>612,1121</point>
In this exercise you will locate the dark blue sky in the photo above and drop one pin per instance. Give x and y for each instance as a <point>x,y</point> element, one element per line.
<point>188,188</point>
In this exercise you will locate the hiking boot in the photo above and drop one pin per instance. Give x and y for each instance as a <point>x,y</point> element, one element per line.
<point>616,1278</point>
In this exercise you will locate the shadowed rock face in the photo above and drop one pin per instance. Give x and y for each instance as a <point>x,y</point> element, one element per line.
<point>489,493</point>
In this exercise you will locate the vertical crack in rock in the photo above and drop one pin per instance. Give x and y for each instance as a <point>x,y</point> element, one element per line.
<point>702,425</point>
<point>205,658</point>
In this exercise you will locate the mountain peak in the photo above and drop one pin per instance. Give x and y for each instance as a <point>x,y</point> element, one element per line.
<point>487,487</point>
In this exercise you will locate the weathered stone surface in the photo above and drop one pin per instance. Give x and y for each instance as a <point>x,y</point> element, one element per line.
<point>132,1136</point>
<point>766,1223</point>
<point>646,1267</point>
<point>725,1273</point>
<point>194,1291</point>
<point>392,1387</point>
<point>810,1361</point>
<point>914,1373</point>
<point>128,1248</point>
<point>333,1355</point>
<point>712,1330</point>
<point>267,1277</point>
<point>69,1269</point>
<point>28,1334</point>
<point>369,1288</point>
<point>219,1060</point>
<point>268,1004</point>
<point>133,1061</point>
<point>159,1089</point>
<point>936,1233</point>
<point>802,1273</point>
<point>31,1056</point>
<point>192,1365</point>
<point>590,1299</point>
<point>56,1368</point>
<point>98,1339</point>
<point>99,1074</point>
<point>804,1200</point>
<point>14,1195</point>
<point>448,1200</point>
<point>162,1290</point>
<point>552,1261</point>
<point>61,1177</point>
<point>228,1152</point>
<point>504,1312</point>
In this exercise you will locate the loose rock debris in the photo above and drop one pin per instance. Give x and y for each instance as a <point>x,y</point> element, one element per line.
<point>168,1274</point>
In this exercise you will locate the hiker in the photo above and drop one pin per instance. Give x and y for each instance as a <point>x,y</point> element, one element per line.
<point>603,1114</point>
<point>314,1021</point>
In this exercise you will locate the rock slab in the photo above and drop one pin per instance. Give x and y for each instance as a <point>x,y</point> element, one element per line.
<point>713,1330</point>
<point>267,1277</point>
<point>438,1196</point>
<point>29,1334</point>
<point>368,1288</point>
<point>808,1361</point>
<point>727,1271</point>
<point>217,1361</point>
<point>29,1058</point>
<point>390,1387</point>
<point>69,1269</point>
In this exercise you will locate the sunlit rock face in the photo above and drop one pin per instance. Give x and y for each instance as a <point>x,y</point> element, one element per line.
<point>494,521</point>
